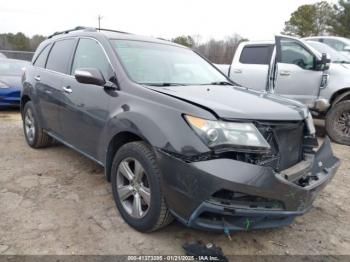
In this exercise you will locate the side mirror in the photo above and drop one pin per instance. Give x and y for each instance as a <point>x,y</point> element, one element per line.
<point>91,76</point>
<point>324,62</point>
<point>347,48</point>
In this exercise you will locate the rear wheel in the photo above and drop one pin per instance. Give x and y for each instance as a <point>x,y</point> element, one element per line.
<point>33,131</point>
<point>136,188</point>
<point>338,123</point>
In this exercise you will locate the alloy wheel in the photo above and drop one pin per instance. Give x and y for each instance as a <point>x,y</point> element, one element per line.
<point>343,123</point>
<point>133,188</point>
<point>29,125</point>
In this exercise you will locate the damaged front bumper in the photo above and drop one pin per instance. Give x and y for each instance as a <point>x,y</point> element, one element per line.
<point>228,194</point>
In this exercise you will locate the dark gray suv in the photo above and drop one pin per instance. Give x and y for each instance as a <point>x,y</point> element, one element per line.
<point>175,136</point>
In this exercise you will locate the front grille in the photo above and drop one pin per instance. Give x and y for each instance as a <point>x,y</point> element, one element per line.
<point>237,199</point>
<point>286,141</point>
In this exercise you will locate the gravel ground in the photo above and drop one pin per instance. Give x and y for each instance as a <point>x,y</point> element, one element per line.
<point>55,201</point>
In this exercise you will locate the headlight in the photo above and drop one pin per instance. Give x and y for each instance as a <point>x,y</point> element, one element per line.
<point>3,85</point>
<point>228,135</point>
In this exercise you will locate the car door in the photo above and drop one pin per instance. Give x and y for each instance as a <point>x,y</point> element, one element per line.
<point>253,61</point>
<point>49,84</point>
<point>87,105</point>
<point>296,76</point>
<point>42,86</point>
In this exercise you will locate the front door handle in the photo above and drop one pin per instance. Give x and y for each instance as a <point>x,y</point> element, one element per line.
<point>67,89</point>
<point>237,71</point>
<point>285,73</point>
<point>37,78</point>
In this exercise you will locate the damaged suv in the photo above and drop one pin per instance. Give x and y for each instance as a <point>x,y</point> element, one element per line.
<point>175,136</point>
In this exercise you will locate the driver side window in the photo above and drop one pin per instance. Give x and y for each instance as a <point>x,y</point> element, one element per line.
<point>90,54</point>
<point>293,53</point>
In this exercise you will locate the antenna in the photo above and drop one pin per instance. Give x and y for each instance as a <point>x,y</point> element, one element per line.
<point>99,17</point>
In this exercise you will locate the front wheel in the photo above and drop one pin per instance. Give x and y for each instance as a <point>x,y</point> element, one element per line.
<point>136,188</point>
<point>338,123</point>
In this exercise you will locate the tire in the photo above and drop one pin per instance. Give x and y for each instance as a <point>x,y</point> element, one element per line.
<point>338,123</point>
<point>153,216</point>
<point>36,138</point>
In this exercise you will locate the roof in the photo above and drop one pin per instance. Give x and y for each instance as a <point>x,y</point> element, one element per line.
<point>110,34</point>
<point>11,60</point>
<point>327,37</point>
<point>260,42</point>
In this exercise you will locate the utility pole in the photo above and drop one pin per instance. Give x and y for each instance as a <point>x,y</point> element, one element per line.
<point>99,17</point>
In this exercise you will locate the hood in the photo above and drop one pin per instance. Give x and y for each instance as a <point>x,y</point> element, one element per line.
<point>229,102</point>
<point>339,75</point>
<point>347,66</point>
<point>12,81</point>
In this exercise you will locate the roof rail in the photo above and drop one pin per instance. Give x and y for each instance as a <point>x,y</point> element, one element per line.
<point>86,29</point>
<point>73,29</point>
<point>110,30</point>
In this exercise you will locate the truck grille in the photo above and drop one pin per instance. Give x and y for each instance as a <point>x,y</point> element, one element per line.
<point>286,141</point>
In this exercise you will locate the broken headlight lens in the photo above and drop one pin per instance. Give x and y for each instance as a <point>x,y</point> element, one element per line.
<point>228,135</point>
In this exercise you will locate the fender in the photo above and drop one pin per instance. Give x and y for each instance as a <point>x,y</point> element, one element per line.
<point>125,123</point>
<point>159,134</point>
<point>154,133</point>
<point>130,122</point>
<point>25,92</point>
<point>29,91</point>
<point>341,97</point>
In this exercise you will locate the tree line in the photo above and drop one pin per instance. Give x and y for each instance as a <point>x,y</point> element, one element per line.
<point>216,51</point>
<point>20,42</point>
<point>321,18</point>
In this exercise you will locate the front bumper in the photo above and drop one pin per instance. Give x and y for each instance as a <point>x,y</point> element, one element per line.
<point>10,96</point>
<point>190,189</point>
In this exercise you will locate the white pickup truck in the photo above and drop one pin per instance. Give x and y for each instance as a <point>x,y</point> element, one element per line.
<point>291,67</point>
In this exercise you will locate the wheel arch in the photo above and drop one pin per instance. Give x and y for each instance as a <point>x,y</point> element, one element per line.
<point>117,141</point>
<point>340,95</point>
<point>24,99</point>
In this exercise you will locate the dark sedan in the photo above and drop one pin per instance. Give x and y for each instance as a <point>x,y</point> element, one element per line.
<point>10,81</point>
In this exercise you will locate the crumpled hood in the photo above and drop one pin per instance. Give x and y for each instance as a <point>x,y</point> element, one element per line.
<point>12,81</point>
<point>230,102</point>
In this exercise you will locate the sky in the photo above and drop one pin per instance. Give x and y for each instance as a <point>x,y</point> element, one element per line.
<point>252,19</point>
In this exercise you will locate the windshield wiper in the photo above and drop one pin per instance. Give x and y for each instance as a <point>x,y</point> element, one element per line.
<point>163,84</point>
<point>219,83</point>
<point>342,62</point>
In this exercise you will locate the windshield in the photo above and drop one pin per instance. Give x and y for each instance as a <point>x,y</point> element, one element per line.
<point>336,56</point>
<point>12,67</point>
<point>162,64</point>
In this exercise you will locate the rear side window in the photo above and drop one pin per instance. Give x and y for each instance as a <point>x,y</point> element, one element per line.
<point>256,54</point>
<point>90,54</point>
<point>60,55</point>
<point>41,59</point>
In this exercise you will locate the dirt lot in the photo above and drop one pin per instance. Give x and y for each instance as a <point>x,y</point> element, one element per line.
<point>55,201</point>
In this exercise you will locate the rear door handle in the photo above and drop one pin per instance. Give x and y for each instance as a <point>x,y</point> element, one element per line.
<point>237,71</point>
<point>67,89</point>
<point>285,73</point>
<point>37,78</point>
